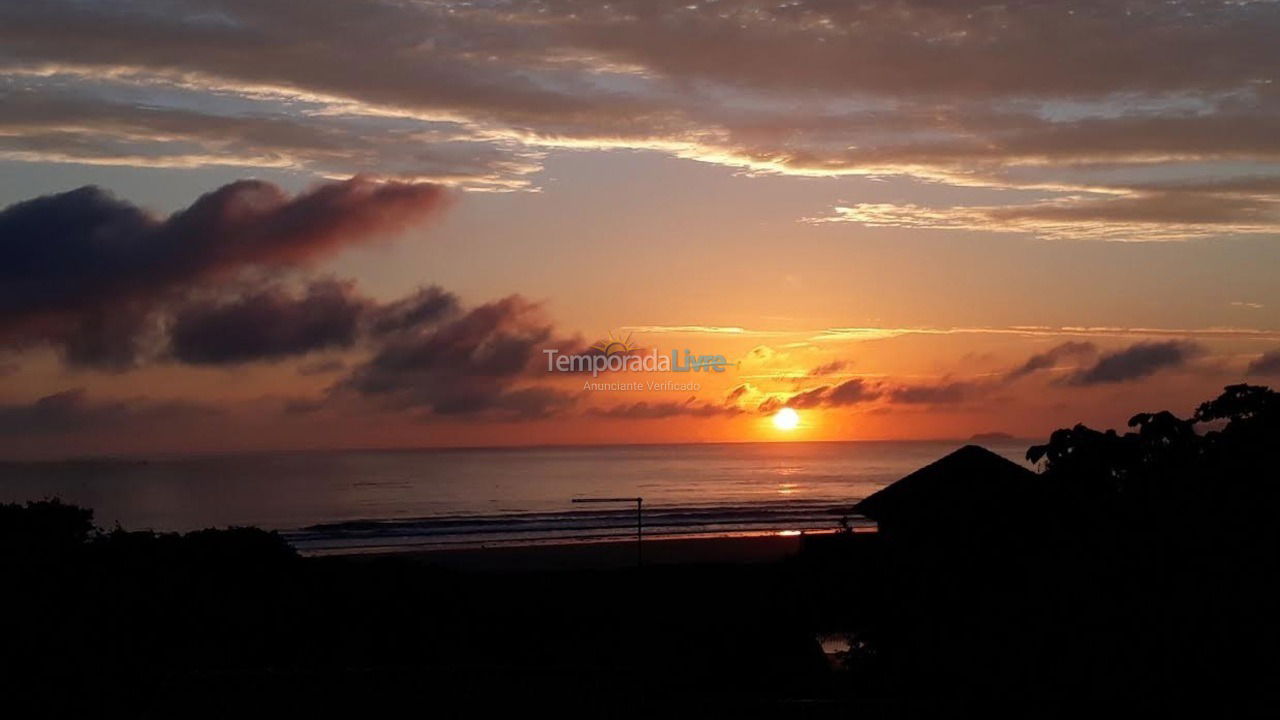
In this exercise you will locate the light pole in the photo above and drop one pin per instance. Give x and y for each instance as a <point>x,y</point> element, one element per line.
<point>639,522</point>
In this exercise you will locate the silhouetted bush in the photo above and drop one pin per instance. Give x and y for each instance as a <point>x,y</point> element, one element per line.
<point>43,531</point>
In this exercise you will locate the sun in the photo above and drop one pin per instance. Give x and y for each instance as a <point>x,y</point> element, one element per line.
<point>786,419</point>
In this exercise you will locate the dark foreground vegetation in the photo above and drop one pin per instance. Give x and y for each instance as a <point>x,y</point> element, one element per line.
<point>1136,572</point>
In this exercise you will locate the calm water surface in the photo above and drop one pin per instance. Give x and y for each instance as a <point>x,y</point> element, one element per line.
<point>365,500</point>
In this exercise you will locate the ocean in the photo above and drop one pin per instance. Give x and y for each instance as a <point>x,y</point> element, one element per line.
<point>364,501</point>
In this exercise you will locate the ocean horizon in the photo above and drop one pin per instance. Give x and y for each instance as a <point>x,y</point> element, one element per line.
<point>327,501</point>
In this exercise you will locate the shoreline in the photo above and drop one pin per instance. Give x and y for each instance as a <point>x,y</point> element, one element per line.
<point>595,555</point>
<point>409,545</point>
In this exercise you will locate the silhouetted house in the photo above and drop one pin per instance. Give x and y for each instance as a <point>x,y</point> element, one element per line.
<point>971,495</point>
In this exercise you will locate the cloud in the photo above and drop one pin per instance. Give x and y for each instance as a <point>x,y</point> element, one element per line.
<point>810,398</point>
<point>644,410</point>
<point>76,249</point>
<point>966,92</point>
<point>109,338</point>
<point>73,411</point>
<point>934,394</point>
<point>99,121</point>
<point>267,325</point>
<point>739,391</point>
<point>1135,362</point>
<point>884,333</point>
<point>480,362</point>
<point>859,391</point>
<point>1123,216</point>
<point>1051,357</point>
<point>426,306</point>
<point>1131,363</point>
<point>850,392</point>
<point>829,368</point>
<point>84,270</point>
<point>1268,364</point>
<point>111,286</point>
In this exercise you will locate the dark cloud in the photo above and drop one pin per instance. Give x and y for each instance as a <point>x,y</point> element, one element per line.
<point>424,307</point>
<point>84,271</point>
<point>852,392</point>
<point>532,402</point>
<point>644,410</point>
<point>109,339</point>
<point>267,325</point>
<point>79,249</point>
<point>737,392</point>
<point>73,411</point>
<point>943,393</point>
<point>813,397</point>
<point>849,392</point>
<point>829,368</point>
<point>1268,364</point>
<point>1135,362</point>
<point>1050,358</point>
<point>478,362</point>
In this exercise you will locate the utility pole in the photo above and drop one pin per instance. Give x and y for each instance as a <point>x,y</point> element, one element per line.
<point>639,521</point>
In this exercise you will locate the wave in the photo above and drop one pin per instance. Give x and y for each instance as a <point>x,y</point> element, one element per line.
<point>612,523</point>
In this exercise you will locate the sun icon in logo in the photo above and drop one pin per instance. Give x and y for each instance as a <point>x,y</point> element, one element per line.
<point>614,345</point>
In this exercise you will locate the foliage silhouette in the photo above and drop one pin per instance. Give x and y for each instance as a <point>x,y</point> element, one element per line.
<point>1143,579</point>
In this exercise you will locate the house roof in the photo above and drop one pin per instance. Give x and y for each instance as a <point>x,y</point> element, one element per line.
<point>971,481</point>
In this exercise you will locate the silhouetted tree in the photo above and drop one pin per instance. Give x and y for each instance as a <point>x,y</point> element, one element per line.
<point>42,531</point>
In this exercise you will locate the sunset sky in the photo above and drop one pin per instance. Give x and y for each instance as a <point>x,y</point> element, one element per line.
<point>246,225</point>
